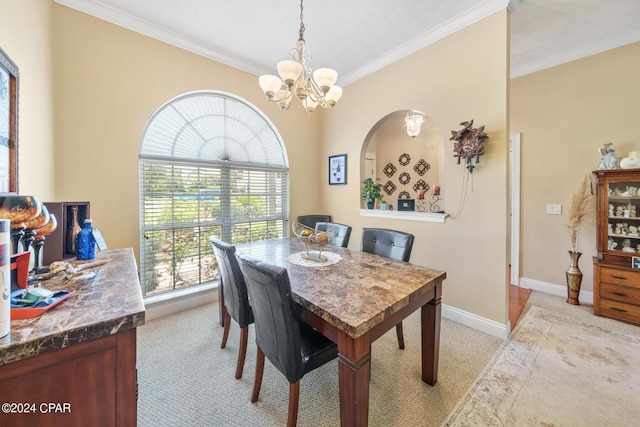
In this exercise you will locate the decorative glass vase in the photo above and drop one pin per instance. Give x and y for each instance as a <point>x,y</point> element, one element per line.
<point>574,279</point>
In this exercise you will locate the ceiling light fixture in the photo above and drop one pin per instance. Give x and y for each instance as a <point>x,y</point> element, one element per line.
<point>413,123</point>
<point>296,79</point>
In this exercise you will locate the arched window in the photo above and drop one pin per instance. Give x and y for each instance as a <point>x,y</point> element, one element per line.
<point>210,163</point>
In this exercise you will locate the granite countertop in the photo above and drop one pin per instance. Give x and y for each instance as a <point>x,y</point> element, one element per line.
<point>108,303</point>
<point>354,294</point>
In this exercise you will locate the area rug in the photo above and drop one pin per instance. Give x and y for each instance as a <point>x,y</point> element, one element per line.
<point>556,371</point>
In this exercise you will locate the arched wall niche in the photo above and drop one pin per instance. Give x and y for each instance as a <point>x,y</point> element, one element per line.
<point>401,162</point>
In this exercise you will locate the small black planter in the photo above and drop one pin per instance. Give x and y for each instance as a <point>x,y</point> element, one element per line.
<point>370,205</point>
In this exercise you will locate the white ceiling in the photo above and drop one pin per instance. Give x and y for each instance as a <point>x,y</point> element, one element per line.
<point>357,37</point>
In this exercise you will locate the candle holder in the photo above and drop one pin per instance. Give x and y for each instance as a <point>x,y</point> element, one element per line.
<point>38,242</point>
<point>18,209</point>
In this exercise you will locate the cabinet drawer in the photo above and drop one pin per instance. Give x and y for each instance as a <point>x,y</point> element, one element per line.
<point>620,293</point>
<point>619,310</point>
<point>620,277</point>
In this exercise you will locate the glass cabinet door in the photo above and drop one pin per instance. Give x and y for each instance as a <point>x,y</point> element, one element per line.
<point>623,224</point>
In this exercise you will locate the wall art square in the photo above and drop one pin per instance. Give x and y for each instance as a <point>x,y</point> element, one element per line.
<point>338,169</point>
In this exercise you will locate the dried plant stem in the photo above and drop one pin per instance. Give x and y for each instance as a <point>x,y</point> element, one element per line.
<point>580,207</point>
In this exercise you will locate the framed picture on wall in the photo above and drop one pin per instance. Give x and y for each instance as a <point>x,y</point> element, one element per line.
<point>8,124</point>
<point>338,169</point>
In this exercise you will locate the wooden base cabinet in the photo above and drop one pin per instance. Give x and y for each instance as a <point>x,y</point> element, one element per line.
<point>88,384</point>
<point>616,292</point>
<point>616,283</point>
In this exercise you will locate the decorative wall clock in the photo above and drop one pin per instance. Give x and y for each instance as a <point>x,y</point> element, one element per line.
<point>469,144</point>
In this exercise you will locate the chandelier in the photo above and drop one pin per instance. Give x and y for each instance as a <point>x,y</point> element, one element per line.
<point>296,79</point>
<point>413,123</point>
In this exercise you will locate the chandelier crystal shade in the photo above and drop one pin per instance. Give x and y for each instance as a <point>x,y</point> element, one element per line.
<point>297,80</point>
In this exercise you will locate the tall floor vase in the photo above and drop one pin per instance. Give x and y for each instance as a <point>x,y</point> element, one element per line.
<point>574,279</point>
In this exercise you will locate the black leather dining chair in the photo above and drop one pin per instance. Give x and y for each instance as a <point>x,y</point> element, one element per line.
<point>236,300</point>
<point>310,220</point>
<point>292,346</point>
<point>392,244</point>
<point>343,232</point>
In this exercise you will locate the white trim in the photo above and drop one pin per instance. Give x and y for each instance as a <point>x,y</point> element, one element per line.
<point>572,55</point>
<point>144,27</point>
<point>471,16</point>
<point>133,23</point>
<point>553,289</point>
<point>514,157</point>
<point>173,302</point>
<point>408,215</point>
<point>471,320</point>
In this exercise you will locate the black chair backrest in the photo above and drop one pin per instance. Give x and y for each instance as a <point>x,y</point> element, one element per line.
<point>236,298</point>
<point>387,243</point>
<point>276,317</point>
<point>310,220</point>
<point>343,232</point>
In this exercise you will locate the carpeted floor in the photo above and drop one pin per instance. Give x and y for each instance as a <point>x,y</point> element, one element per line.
<point>185,378</point>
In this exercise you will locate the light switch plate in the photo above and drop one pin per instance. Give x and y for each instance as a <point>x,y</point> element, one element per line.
<point>554,209</point>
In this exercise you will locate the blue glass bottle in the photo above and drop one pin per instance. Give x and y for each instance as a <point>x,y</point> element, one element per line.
<point>86,243</point>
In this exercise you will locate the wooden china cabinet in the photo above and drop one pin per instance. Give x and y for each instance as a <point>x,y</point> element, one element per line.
<point>616,275</point>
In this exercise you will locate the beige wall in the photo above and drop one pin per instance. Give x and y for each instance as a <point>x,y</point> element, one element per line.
<point>109,81</point>
<point>565,114</point>
<point>461,77</point>
<point>25,35</point>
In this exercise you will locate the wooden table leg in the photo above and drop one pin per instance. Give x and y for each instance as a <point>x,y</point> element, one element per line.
<point>221,303</point>
<point>430,316</point>
<point>354,365</point>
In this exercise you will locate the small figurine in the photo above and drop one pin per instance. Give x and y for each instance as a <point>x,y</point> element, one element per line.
<point>610,229</point>
<point>626,246</point>
<point>619,229</point>
<point>611,208</point>
<point>609,158</point>
<point>620,210</point>
<point>633,231</point>
<point>612,244</point>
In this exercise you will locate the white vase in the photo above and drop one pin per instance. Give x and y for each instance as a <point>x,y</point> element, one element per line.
<point>631,162</point>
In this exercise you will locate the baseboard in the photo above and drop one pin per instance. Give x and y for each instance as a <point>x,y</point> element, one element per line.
<point>553,289</point>
<point>164,305</point>
<point>474,321</point>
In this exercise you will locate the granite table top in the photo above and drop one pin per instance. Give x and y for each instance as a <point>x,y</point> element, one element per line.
<point>354,294</point>
<point>106,304</point>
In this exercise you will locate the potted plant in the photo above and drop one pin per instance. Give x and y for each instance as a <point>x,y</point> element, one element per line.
<point>580,207</point>
<point>371,192</point>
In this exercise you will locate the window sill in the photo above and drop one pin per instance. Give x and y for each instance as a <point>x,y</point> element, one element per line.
<point>405,215</point>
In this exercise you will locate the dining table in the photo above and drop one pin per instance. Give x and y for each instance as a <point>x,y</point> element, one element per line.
<point>353,298</point>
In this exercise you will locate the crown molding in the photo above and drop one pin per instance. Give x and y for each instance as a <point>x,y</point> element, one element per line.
<point>473,15</point>
<point>572,55</point>
<point>117,17</point>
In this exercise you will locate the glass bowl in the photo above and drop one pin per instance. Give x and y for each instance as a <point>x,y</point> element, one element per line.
<point>314,240</point>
